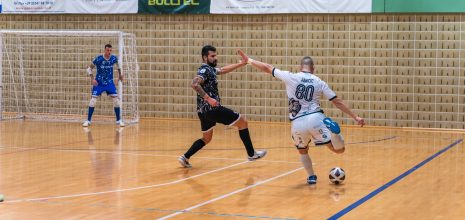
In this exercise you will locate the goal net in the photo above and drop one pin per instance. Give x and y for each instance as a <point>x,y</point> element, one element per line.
<point>43,74</point>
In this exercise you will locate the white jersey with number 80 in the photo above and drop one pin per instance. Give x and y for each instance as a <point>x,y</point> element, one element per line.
<point>304,91</point>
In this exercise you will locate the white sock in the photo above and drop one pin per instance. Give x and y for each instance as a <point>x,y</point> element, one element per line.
<point>307,162</point>
<point>337,141</point>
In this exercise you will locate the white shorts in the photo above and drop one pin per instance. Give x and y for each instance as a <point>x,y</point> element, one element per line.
<point>309,127</point>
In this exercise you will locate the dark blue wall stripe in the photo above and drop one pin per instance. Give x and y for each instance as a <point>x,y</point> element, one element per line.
<point>390,183</point>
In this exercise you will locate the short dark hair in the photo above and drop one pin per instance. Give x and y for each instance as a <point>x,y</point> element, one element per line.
<point>206,49</point>
<point>108,45</point>
<point>307,61</point>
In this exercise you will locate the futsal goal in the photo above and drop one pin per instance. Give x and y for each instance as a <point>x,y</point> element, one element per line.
<point>43,74</point>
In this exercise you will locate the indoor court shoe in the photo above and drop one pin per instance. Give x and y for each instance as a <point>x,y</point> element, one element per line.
<point>332,125</point>
<point>120,123</point>
<point>312,179</point>
<point>184,162</point>
<point>258,154</point>
<point>86,124</point>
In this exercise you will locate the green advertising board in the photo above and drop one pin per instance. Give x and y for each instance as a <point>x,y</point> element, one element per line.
<point>174,6</point>
<point>418,6</point>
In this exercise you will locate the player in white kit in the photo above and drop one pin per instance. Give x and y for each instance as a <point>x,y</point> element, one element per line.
<point>304,91</point>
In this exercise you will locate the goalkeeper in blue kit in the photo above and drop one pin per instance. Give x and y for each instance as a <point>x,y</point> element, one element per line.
<point>103,82</point>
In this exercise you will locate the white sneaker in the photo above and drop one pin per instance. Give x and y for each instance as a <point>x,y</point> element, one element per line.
<point>120,123</point>
<point>184,162</point>
<point>86,124</point>
<point>258,154</point>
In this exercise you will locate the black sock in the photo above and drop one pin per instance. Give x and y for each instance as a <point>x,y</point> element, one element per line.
<point>196,146</point>
<point>245,137</point>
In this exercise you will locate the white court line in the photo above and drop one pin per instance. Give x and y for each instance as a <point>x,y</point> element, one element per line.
<point>229,194</point>
<point>261,160</point>
<point>125,190</point>
<point>136,154</point>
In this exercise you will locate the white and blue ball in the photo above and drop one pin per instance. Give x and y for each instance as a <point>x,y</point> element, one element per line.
<point>337,175</point>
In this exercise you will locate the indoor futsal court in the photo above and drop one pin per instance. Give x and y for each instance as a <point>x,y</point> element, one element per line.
<point>399,67</point>
<point>132,173</point>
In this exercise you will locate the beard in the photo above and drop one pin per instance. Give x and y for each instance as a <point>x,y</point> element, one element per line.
<point>212,64</point>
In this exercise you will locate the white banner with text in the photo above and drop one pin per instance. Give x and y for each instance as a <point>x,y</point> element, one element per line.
<point>289,7</point>
<point>70,6</point>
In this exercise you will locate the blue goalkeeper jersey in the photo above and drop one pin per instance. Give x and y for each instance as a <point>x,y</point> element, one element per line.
<point>104,75</point>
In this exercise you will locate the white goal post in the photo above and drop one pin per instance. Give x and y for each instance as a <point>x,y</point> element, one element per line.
<point>43,74</point>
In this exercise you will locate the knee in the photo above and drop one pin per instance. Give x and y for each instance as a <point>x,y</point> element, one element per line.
<point>116,102</point>
<point>303,150</point>
<point>337,151</point>
<point>207,138</point>
<point>242,123</point>
<point>245,122</point>
<point>340,151</point>
<point>92,102</point>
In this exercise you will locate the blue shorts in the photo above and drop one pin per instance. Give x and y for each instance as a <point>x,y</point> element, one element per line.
<point>110,89</point>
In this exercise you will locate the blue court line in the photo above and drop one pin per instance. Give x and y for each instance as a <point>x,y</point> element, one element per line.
<point>390,183</point>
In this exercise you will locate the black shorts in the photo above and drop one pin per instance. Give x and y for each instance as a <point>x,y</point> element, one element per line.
<point>220,114</point>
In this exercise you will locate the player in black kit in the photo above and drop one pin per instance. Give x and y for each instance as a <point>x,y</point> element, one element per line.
<point>209,109</point>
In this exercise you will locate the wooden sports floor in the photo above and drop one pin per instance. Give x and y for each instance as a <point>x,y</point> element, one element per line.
<point>61,171</point>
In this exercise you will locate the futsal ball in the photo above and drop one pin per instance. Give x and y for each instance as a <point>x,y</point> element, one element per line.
<point>337,175</point>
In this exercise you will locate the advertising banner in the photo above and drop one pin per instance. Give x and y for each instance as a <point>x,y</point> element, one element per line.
<point>101,6</point>
<point>33,6</point>
<point>70,6</point>
<point>289,7</point>
<point>424,6</point>
<point>174,6</point>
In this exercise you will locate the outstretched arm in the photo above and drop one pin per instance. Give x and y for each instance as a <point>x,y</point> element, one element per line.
<point>343,107</point>
<point>264,67</point>
<point>230,68</point>
<point>196,85</point>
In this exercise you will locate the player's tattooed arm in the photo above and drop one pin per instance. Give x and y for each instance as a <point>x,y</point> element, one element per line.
<point>196,85</point>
